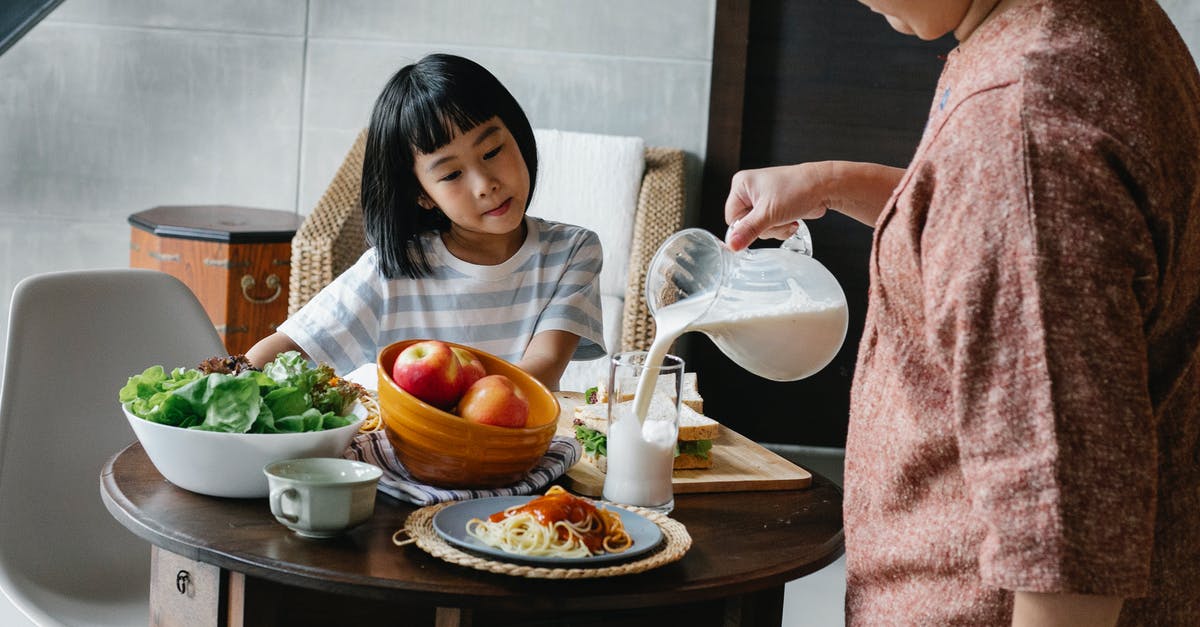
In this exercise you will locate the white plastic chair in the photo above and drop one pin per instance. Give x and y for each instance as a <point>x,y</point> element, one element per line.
<point>74,338</point>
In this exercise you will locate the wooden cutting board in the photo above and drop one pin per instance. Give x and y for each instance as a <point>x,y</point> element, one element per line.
<point>739,464</point>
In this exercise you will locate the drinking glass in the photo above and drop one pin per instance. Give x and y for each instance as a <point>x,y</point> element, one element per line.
<point>641,449</point>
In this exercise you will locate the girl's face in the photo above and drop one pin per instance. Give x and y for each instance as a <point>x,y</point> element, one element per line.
<point>479,180</point>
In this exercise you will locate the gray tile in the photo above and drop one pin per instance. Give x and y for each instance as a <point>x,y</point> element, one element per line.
<point>34,244</point>
<point>674,29</point>
<point>100,122</point>
<point>664,102</point>
<point>324,150</point>
<point>276,17</point>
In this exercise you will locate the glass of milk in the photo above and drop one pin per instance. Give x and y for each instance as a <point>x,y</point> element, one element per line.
<point>643,425</point>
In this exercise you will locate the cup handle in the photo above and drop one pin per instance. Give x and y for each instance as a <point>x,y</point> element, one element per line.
<point>277,503</point>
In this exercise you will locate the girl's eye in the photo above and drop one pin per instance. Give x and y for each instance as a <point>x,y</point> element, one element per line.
<point>451,176</point>
<point>493,152</point>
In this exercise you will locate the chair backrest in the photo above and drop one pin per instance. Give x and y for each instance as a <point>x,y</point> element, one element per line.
<point>74,338</point>
<point>331,238</point>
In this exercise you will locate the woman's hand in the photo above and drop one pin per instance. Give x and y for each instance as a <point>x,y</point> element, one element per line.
<point>767,202</point>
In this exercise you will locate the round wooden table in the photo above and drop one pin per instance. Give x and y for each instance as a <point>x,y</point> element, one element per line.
<point>228,562</point>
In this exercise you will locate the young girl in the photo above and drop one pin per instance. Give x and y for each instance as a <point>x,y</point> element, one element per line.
<point>1024,441</point>
<point>448,173</point>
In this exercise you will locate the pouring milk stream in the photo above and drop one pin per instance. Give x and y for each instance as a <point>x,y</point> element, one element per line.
<point>776,312</point>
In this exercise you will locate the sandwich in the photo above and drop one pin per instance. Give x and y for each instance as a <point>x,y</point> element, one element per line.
<point>693,449</point>
<point>690,392</point>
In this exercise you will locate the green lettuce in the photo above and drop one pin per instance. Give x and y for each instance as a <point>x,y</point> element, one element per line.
<point>593,442</point>
<point>287,396</point>
<point>699,448</point>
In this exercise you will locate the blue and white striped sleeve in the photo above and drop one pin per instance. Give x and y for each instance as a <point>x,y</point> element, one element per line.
<point>575,304</point>
<point>340,325</point>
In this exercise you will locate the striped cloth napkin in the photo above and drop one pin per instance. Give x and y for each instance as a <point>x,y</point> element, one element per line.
<point>374,448</point>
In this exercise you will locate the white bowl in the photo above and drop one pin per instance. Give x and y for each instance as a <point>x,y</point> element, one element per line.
<point>231,464</point>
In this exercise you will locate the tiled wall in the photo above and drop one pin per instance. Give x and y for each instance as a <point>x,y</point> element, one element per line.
<point>113,106</point>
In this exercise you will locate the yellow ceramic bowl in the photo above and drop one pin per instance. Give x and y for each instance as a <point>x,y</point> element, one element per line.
<point>444,450</point>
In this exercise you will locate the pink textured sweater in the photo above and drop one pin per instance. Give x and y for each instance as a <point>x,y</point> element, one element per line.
<point>1026,408</point>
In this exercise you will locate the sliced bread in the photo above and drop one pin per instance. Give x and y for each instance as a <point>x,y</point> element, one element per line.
<point>689,385</point>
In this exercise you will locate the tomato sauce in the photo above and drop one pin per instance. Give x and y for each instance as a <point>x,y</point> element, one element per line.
<point>562,506</point>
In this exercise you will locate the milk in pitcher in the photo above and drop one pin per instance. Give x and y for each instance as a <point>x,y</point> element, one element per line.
<point>782,342</point>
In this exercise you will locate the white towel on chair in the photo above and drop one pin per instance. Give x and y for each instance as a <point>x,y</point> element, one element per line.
<point>593,181</point>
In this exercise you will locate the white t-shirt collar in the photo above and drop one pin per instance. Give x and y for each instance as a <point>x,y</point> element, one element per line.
<point>488,273</point>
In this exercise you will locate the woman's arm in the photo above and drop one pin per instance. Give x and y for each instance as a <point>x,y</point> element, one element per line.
<point>547,356</point>
<point>267,348</point>
<point>1037,609</point>
<point>768,201</point>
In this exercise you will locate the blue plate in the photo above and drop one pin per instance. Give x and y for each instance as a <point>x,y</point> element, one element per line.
<point>451,524</point>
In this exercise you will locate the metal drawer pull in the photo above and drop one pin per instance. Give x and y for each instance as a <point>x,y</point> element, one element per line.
<point>163,256</point>
<point>272,282</point>
<point>182,579</point>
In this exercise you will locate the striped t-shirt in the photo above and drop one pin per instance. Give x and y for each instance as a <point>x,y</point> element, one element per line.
<point>551,283</point>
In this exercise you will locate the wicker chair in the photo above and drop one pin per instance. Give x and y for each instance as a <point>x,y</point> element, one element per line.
<point>331,238</point>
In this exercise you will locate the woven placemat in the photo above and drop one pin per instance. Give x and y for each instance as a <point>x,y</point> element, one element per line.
<point>419,527</point>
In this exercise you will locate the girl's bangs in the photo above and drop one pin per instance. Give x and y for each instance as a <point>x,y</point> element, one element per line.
<point>431,124</point>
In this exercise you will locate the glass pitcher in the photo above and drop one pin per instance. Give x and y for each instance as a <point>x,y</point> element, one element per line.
<point>776,312</point>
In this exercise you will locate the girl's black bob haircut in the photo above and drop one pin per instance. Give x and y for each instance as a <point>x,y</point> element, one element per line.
<point>420,110</point>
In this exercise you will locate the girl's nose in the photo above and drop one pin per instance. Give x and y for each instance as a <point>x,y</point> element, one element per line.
<point>486,184</point>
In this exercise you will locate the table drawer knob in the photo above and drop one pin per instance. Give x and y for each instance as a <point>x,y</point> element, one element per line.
<point>273,282</point>
<point>182,579</point>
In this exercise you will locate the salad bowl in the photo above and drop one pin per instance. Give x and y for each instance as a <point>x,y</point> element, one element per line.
<point>212,429</point>
<point>231,464</point>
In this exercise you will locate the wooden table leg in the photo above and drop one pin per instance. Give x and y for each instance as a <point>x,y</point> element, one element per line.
<point>452,617</point>
<point>758,609</point>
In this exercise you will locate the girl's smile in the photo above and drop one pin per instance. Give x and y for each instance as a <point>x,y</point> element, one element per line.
<point>501,210</point>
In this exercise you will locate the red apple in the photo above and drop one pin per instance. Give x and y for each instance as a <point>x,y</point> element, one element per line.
<point>495,400</point>
<point>471,366</point>
<point>429,371</point>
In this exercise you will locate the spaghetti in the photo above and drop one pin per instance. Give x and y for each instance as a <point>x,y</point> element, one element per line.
<point>557,524</point>
<point>374,419</point>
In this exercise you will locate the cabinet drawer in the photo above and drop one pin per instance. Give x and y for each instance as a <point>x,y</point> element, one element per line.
<point>183,592</point>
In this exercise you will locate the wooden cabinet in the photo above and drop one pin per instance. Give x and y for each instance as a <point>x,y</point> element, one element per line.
<point>235,259</point>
